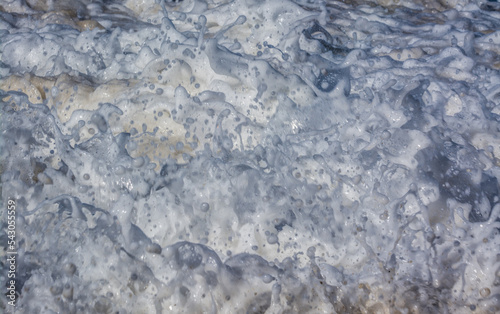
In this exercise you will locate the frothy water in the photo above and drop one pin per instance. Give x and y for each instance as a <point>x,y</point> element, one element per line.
<point>252,156</point>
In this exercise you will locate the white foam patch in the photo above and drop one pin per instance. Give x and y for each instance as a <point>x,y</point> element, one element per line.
<point>252,156</point>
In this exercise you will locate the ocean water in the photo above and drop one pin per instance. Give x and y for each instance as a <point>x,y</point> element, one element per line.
<point>250,156</point>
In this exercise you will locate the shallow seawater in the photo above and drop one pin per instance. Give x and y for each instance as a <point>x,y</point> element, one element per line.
<point>251,156</point>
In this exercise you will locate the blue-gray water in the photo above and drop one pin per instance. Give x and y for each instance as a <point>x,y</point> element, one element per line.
<point>251,156</point>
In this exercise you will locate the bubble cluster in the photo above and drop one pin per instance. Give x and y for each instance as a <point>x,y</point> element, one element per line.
<point>277,156</point>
